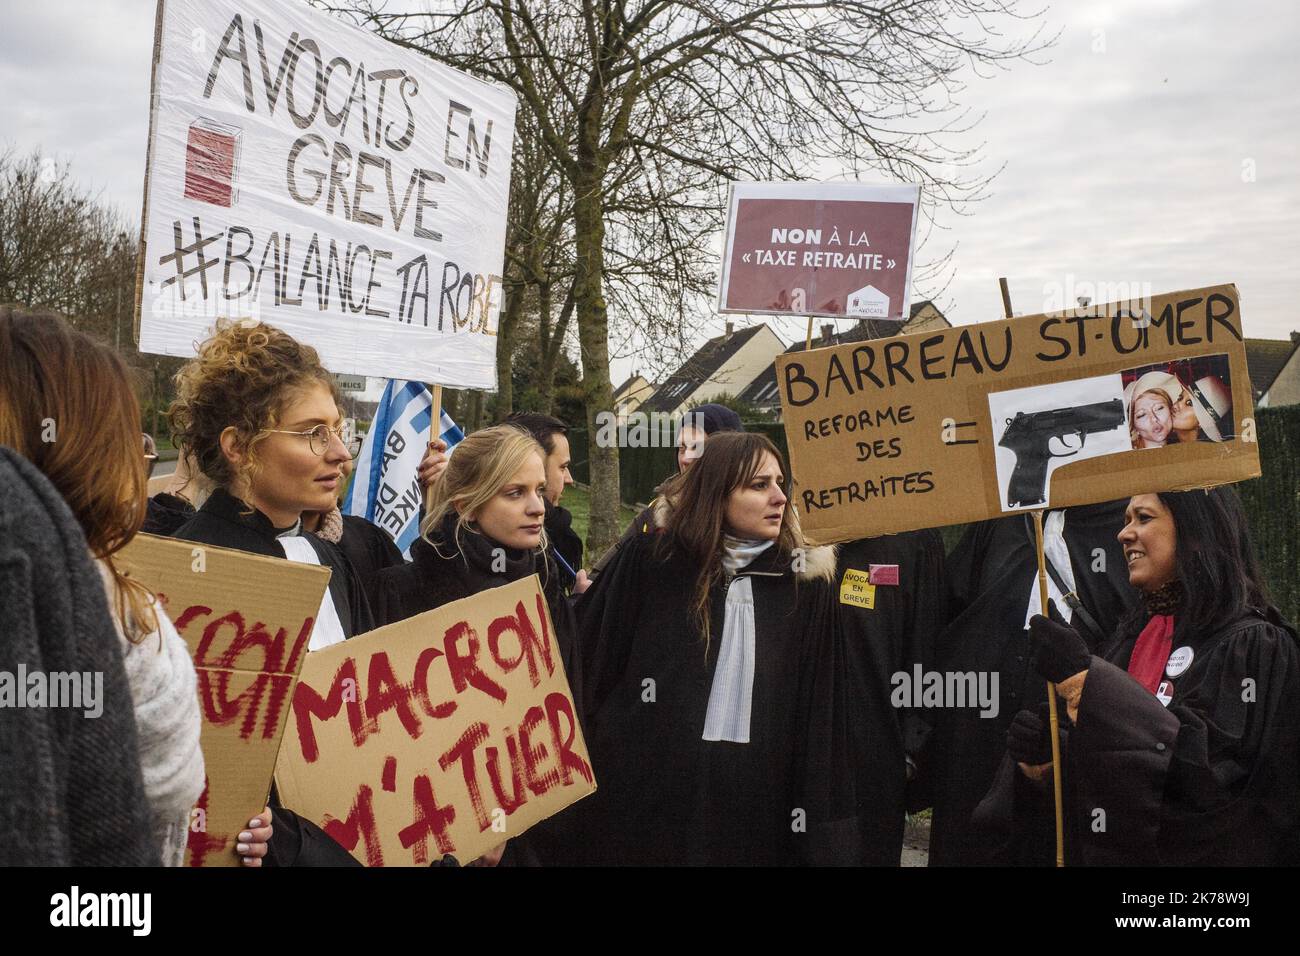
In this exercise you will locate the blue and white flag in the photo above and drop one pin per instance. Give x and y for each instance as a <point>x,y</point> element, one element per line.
<point>386,490</point>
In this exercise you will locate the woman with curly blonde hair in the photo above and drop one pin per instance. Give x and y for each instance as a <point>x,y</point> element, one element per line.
<point>259,414</point>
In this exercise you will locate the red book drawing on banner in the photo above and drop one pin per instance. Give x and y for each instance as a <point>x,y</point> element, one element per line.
<point>211,159</point>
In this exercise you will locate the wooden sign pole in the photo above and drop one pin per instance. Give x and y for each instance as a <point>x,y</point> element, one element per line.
<point>1053,718</point>
<point>435,431</point>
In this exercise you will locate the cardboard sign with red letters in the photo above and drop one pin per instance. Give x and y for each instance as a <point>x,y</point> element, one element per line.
<point>449,732</point>
<point>247,620</point>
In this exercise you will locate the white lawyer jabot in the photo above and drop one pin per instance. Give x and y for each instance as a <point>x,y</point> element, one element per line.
<point>328,628</point>
<point>731,696</point>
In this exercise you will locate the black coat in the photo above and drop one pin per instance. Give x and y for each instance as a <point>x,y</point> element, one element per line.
<point>666,796</point>
<point>893,636</point>
<point>1211,779</point>
<point>222,522</point>
<point>564,541</point>
<point>370,549</point>
<point>990,574</point>
<point>165,513</point>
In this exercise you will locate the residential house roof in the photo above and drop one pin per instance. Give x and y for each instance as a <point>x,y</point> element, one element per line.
<point>1265,358</point>
<point>697,370</point>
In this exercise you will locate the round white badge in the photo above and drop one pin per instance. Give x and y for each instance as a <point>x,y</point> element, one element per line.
<point>1179,661</point>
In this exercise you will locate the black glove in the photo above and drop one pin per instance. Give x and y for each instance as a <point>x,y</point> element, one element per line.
<point>1059,651</point>
<point>1029,738</point>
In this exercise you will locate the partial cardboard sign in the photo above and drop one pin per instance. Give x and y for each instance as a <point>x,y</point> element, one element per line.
<point>247,620</point>
<point>1059,409</point>
<point>832,249</point>
<point>449,732</point>
<point>307,173</point>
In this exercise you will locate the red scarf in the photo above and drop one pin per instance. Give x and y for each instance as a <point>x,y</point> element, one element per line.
<point>1151,652</point>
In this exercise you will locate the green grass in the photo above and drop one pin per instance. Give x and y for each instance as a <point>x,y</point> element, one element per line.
<point>578,500</point>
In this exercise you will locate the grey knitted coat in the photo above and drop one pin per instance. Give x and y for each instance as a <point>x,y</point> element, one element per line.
<point>70,785</point>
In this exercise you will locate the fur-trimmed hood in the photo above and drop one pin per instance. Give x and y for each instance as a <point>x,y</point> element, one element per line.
<point>819,561</point>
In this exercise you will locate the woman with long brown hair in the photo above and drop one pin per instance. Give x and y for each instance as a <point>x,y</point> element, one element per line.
<point>709,664</point>
<point>67,406</point>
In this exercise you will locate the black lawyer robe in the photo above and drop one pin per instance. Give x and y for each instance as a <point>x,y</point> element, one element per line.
<point>370,549</point>
<point>665,796</point>
<point>564,542</point>
<point>1211,779</point>
<point>165,513</point>
<point>990,573</point>
<point>891,637</point>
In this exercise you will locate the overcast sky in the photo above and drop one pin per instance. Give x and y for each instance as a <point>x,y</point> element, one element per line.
<point>1158,147</point>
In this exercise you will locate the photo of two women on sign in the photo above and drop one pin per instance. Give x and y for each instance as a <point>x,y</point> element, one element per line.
<point>1175,402</point>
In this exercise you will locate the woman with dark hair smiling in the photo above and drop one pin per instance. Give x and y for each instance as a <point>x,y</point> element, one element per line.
<point>1185,733</point>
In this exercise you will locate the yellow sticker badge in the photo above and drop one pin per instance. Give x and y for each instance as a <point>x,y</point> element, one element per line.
<point>857,589</point>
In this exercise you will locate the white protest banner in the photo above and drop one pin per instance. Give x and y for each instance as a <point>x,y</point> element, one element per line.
<point>833,249</point>
<point>309,174</point>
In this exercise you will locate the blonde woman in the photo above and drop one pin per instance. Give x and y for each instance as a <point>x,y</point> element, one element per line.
<point>1150,402</point>
<point>485,529</point>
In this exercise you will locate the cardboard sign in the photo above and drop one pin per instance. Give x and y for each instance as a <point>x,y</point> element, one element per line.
<point>306,173</point>
<point>835,249</point>
<point>247,620</point>
<point>1072,408</point>
<point>445,733</point>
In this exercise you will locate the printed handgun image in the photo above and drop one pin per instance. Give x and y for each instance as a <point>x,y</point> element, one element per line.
<point>1040,428</point>
<point>1029,435</point>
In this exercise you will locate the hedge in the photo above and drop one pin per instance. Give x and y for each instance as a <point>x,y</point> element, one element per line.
<point>1272,501</point>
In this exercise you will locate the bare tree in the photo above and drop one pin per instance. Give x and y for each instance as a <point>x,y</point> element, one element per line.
<point>643,104</point>
<point>62,249</point>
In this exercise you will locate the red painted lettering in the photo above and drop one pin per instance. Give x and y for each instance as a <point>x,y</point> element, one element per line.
<point>386,692</point>
<point>464,667</point>
<point>463,750</point>
<point>360,823</point>
<point>430,820</point>
<point>557,704</point>
<point>539,784</point>
<point>308,704</point>
<point>420,685</point>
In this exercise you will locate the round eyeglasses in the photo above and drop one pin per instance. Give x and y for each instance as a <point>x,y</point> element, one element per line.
<point>318,437</point>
